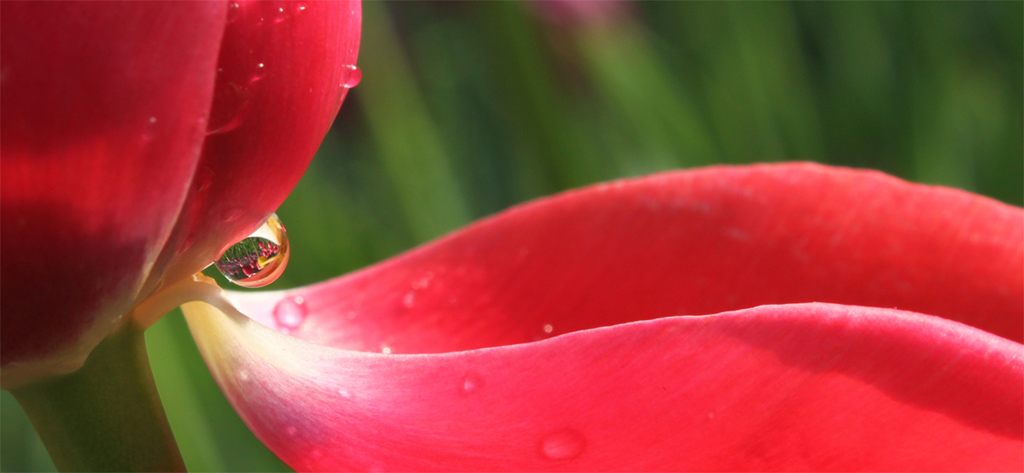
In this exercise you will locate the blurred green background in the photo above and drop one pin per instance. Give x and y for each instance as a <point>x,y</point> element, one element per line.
<point>467,108</point>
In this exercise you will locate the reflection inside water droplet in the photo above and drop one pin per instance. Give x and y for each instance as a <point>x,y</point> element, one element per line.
<point>259,259</point>
<point>562,445</point>
<point>290,312</point>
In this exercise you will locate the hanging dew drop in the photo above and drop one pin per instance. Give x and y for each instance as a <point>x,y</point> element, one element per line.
<point>259,259</point>
<point>351,76</point>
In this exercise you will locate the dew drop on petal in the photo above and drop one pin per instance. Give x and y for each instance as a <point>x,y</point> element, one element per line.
<point>280,15</point>
<point>232,100</point>
<point>562,445</point>
<point>409,300</point>
<point>300,7</point>
<point>233,11</point>
<point>471,382</point>
<point>233,214</point>
<point>548,328</point>
<point>259,72</point>
<point>258,259</point>
<point>291,430</point>
<point>149,133</point>
<point>351,76</point>
<point>185,243</point>
<point>386,350</point>
<point>290,312</point>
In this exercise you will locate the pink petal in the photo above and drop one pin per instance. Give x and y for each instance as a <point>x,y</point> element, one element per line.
<point>282,77</point>
<point>102,123</point>
<point>788,387</point>
<point>795,387</point>
<point>684,243</point>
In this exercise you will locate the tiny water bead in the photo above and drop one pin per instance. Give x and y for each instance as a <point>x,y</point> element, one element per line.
<point>471,382</point>
<point>562,445</point>
<point>351,76</point>
<point>259,259</point>
<point>290,312</point>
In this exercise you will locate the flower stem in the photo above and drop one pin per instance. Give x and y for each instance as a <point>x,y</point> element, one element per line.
<point>106,416</point>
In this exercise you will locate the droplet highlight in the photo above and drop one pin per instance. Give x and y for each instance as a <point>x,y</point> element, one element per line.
<point>259,72</point>
<point>232,214</point>
<point>562,445</point>
<point>290,312</point>
<point>259,259</point>
<point>471,383</point>
<point>233,11</point>
<point>351,76</point>
<point>280,15</point>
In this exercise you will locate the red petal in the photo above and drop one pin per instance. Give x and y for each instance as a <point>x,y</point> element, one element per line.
<point>800,387</point>
<point>282,74</point>
<point>788,387</point>
<point>102,123</point>
<point>684,243</point>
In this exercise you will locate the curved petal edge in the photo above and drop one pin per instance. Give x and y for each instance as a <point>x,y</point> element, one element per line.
<point>791,387</point>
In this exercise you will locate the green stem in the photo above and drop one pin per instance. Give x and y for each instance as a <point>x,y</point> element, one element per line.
<point>106,416</point>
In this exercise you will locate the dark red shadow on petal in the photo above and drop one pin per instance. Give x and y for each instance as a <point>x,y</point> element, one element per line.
<point>52,294</point>
<point>684,243</point>
<point>104,109</point>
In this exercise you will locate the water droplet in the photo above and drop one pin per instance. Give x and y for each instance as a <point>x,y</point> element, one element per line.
<point>258,73</point>
<point>291,430</point>
<point>243,375</point>
<point>300,8</point>
<point>290,312</point>
<point>186,242</point>
<point>409,300</point>
<point>230,102</point>
<point>259,259</point>
<point>345,394</point>
<point>149,133</point>
<point>562,445</point>
<point>281,15</point>
<point>471,382</point>
<point>548,328</point>
<point>351,76</point>
<point>423,282</point>
<point>203,179</point>
<point>233,9</point>
<point>232,214</point>
<point>386,350</point>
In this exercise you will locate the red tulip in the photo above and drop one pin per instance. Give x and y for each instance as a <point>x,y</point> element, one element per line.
<point>554,336</point>
<point>139,140</point>
<point>772,317</point>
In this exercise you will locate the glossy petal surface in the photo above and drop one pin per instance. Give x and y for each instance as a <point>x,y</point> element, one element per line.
<point>687,243</point>
<point>798,387</point>
<point>787,387</point>
<point>102,122</point>
<point>280,82</point>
